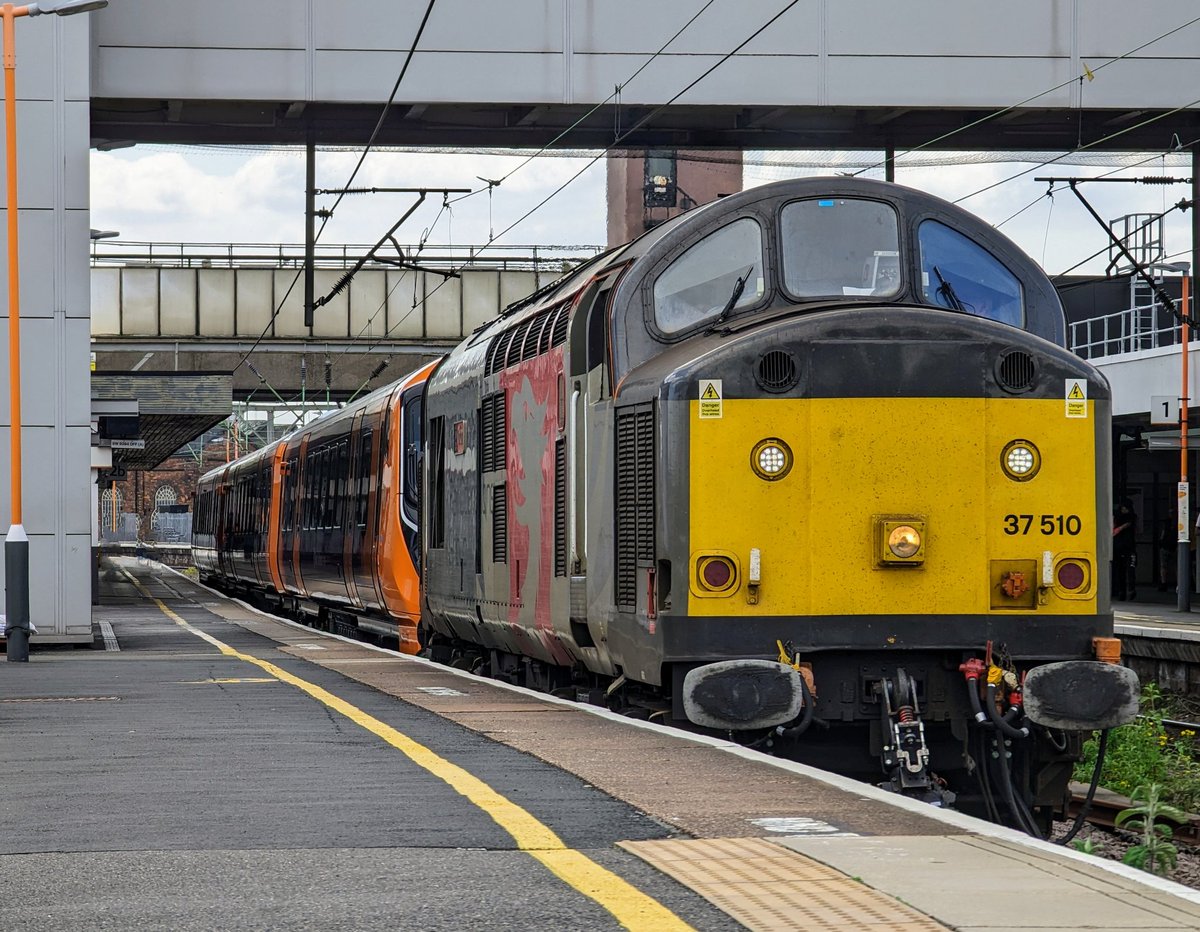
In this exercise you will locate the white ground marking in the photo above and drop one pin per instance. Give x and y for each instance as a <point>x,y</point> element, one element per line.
<point>440,691</point>
<point>110,638</point>
<point>801,825</point>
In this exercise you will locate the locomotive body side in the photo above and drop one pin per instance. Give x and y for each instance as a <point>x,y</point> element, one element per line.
<point>507,472</point>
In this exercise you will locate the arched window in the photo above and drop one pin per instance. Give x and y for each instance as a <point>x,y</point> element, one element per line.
<point>164,495</point>
<point>110,510</point>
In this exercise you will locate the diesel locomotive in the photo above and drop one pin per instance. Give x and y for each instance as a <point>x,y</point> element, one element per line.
<point>808,466</point>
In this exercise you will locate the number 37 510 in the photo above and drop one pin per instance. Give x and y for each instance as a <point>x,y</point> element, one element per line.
<point>1069,525</point>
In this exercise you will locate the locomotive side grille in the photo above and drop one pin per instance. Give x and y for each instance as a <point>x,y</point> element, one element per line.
<point>634,500</point>
<point>544,329</point>
<point>560,508</point>
<point>777,371</point>
<point>493,442</point>
<point>559,335</point>
<point>499,524</point>
<point>529,346</point>
<point>489,365</point>
<point>645,485</point>
<point>1016,371</point>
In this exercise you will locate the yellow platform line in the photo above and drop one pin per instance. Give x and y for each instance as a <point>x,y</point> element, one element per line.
<point>632,908</point>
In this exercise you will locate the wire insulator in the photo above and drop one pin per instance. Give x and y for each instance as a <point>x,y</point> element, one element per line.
<point>378,369</point>
<point>336,289</point>
<point>328,371</point>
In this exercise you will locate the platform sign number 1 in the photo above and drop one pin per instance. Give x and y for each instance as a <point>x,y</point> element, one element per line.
<point>1076,393</point>
<point>1164,409</point>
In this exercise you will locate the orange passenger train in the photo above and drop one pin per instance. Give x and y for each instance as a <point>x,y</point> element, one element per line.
<point>324,522</point>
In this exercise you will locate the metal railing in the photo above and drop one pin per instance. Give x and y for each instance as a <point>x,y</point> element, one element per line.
<point>167,528</point>
<point>1134,329</point>
<point>291,255</point>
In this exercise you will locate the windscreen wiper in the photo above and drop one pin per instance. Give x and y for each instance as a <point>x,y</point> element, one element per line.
<point>738,287</point>
<point>946,291</point>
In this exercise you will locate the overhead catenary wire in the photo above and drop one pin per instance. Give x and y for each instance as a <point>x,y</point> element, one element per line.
<point>615,95</point>
<point>999,113</point>
<point>446,203</point>
<point>1092,144</point>
<point>616,142</point>
<point>354,174</point>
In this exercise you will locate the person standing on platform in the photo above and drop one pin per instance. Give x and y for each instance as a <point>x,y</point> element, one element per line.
<point>1124,528</point>
<point>1167,553</point>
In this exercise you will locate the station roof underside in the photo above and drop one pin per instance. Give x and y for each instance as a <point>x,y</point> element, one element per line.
<point>719,127</point>
<point>173,409</point>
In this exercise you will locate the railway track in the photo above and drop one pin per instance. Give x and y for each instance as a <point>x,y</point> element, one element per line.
<point>1107,806</point>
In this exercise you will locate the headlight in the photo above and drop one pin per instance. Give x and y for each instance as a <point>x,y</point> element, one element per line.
<point>904,541</point>
<point>1020,460</point>
<point>771,459</point>
<point>899,540</point>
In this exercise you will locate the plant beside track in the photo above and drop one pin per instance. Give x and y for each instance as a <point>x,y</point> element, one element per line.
<point>1153,750</point>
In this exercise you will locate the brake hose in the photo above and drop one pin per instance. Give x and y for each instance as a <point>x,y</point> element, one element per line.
<point>1091,793</point>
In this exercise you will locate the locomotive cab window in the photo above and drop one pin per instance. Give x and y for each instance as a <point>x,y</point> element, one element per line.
<point>714,278</point>
<point>839,246</point>
<point>958,273</point>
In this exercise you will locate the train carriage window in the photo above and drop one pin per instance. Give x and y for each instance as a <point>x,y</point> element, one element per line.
<point>958,273</point>
<point>840,246</point>
<point>364,472</point>
<point>414,407</point>
<point>716,276</point>
<point>437,482</point>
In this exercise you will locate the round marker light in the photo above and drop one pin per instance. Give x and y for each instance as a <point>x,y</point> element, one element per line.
<point>716,573</point>
<point>904,541</point>
<point>1020,460</point>
<point>1071,575</point>
<point>771,459</point>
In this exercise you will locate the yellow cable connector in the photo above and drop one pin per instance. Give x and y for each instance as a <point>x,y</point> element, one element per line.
<point>786,660</point>
<point>995,675</point>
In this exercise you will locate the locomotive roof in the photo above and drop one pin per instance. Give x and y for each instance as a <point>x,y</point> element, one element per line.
<point>635,334</point>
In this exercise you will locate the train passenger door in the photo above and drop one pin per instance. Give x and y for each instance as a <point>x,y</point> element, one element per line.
<point>409,471</point>
<point>360,549</point>
<point>352,530</point>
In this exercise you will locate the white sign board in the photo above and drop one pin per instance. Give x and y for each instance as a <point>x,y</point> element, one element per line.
<point>1164,409</point>
<point>118,444</point>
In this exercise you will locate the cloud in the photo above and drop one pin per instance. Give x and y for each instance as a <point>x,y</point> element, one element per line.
<point>170,194</point>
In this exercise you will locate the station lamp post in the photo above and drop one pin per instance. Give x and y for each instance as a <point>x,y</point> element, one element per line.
<point>1183,573</point>
<point>16,543</point>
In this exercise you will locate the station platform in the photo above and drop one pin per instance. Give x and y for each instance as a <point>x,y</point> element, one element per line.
<point>215,767</point>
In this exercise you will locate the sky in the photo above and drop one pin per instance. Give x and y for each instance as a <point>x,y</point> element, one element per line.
<point>177,194</point>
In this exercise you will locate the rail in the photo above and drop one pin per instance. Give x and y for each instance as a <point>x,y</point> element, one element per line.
<point>1107,806</point>
<point>291,255</point>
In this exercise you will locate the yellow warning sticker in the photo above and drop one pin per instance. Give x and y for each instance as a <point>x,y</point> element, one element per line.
<point>710,398</point>
<point>1076,393</point>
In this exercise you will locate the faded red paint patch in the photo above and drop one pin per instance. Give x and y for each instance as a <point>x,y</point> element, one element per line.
<point>531,392</point>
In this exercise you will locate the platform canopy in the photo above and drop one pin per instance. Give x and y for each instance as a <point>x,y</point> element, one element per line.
<point>172,409</point>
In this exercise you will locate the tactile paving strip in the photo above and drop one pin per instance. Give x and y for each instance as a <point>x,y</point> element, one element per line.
<point>766,887</point>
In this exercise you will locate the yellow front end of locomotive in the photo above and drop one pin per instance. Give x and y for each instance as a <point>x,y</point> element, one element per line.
<point>893,506</point>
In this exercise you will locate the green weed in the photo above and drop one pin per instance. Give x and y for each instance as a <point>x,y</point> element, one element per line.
<point>1142,753</point>
<point>1155,852</point>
